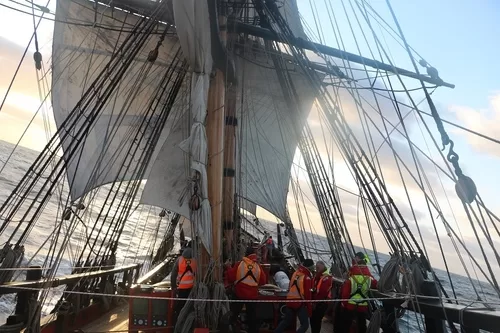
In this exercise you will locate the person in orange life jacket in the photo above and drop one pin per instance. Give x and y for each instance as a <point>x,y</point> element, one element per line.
<point>300,289</point>
<point>247,276</point>
<point>183,277</point>
<point>322,287</point>
<point>356,290</point>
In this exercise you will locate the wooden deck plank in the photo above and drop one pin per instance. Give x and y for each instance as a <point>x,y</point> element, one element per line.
<point>114,321</point>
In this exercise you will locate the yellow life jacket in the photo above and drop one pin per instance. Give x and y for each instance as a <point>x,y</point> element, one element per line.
<point>360,286</point>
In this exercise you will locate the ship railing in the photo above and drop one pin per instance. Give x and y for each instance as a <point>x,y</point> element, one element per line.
<point>131,272</point>
<point>27,314</point>
<point>437,310</point>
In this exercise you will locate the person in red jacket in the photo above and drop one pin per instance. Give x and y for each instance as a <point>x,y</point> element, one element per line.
<point>300,289</point>
<point>246,276</point>
<point>322,286</point>
<point>355,292</point>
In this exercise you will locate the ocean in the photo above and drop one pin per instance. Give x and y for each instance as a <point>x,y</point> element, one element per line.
<point>139,235</point>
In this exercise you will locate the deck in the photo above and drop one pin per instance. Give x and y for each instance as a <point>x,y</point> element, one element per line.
<point>117,321</point>
<point>114,321</point>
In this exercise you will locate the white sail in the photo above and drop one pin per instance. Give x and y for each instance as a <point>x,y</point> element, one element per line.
<point>80,53</point>
<point>168,182</point>
<point>290,12</point>
<point>248,206</point>
<point>270,131</point>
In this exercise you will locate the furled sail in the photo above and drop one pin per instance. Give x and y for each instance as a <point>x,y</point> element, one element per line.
<point>193,28</point>
<point>80,53</point>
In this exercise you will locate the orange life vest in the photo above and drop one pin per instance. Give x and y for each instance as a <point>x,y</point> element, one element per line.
<point>186,273</point>
<point>296,286</point>
<point>320,282</point>
<point>248,272</point>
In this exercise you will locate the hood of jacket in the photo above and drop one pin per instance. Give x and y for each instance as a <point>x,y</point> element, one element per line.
<point>252,257</point>
<point>359,270</point>
<point>187,253</point>
<point>304,270</point>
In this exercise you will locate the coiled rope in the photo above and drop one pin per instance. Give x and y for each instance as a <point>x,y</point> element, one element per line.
<point>218,309</point>
<point>183,324</point>
<point>389,277</point>
<point>375,322</point>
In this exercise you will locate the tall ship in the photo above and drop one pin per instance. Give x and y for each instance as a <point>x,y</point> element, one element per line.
<point>189,123</point>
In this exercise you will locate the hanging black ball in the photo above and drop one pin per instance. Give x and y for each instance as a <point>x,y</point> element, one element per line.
<point>67,214</point>
<point>37,56</point>
<point>163,213</point>
<point>153,55</point>
<point>466,189</point>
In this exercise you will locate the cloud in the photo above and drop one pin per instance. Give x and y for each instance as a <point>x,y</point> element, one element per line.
<point>23,100</point>
<point>396,176</point>
<point>374,122</point>
<point>484,121</point>
<point>10,56</point>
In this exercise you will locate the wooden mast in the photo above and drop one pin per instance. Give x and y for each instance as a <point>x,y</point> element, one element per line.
<point>215,139</point>
<point>229,169</point>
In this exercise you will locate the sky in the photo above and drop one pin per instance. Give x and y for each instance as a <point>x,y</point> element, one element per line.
<point>456,37</point>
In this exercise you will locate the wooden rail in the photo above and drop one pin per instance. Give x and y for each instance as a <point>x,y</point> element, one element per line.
<point>14,287</point>
<point>149,275</point>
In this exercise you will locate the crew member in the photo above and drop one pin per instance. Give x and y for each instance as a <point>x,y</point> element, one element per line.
<point>270,242</point>
<point>247,276</point>
<point>182,277</point>
<point>322,287</point>
<point>356,290</point>
<point>299,289</point>
<point>270,247</point>
<point>279,276</point>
